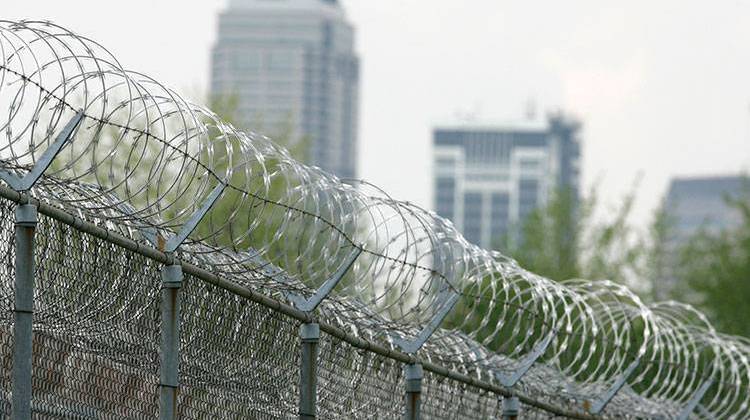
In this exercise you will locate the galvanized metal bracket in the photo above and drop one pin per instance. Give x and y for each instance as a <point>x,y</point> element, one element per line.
<point>26,215</point>
<point>309,332</point>
<point>300,302</point>
<point>511,407</point>
<point>413,346</point>
<point>171,276</point>
<point>41,165</point>
<point>528,361</point>
<point>694,400</point>
<point>413,374</point>
<point>174,242</point>
<point>309,305</point>
<point>598,406</point>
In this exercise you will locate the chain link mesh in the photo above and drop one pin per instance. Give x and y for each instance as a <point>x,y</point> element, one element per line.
<point>354,383</point>
<point>446,398</point>
<point>6,304</point>
<point>239,359</point>
<point>96,327</point>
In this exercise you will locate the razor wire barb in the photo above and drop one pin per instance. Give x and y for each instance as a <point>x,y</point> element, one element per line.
<point>143,161</point>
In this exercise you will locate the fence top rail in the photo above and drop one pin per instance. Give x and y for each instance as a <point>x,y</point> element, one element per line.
<point>143,161</point>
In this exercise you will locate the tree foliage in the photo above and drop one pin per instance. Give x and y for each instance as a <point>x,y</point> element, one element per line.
<point>568,239</point>
<point>710,270</point>
<point>714,270</point>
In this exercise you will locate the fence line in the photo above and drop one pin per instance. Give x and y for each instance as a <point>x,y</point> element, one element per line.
<point>125,154</point>
<point>287,310</point>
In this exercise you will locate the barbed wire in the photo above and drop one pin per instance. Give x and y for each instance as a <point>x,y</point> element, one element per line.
<point>144,160</point>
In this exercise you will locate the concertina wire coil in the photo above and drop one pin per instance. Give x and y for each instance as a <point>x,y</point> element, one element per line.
<point>143,159</point>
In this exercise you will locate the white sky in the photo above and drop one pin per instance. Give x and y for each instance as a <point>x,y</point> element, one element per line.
<point>663,88</point>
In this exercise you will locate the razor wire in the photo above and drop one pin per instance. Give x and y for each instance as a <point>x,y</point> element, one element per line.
<point>143,161</point>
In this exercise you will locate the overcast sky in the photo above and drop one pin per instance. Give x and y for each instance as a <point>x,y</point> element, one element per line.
<point>662,88</point>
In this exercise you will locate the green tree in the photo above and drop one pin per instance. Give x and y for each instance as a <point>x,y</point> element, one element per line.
<point>548,243</point>
<point>568,239</point>
<point>658,257</point>
<point>715,267</point>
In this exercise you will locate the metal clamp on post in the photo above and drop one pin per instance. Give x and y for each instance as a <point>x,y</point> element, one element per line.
<point>310,332</point>
<point>26,215</point>
<point>413,375</point>
<point>171,276</point>
<point>511,408</point>
<point>309,335</point>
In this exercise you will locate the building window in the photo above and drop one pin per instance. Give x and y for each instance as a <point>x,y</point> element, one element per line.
<point>500,217</point>
<point>530,165</point>
<point>280,61</point>
<point>446,162</point>
<point>445,189</point>
<point>528,191</point>
<point>473,217</point>
<point>248,61</point>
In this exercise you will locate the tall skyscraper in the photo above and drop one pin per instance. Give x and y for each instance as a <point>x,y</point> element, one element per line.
<point>489,178</point>
<point>292,62</point>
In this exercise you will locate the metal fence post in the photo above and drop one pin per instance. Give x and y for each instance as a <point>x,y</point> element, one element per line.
<point>23,306</point>
<point>310,332</point>
<point>511,408</point>
<point>308,381</point>
<point>413,377</point>
<point>26,221</point>
<point>413,372</point>
<point>169,384</point>
<point>171,283</point>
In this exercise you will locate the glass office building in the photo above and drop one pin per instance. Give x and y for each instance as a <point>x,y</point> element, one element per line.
<point>489,178</point>
<point>695,203</point>
<point>293,69</point>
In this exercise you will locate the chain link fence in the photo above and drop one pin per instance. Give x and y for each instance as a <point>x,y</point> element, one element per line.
<point>158,262</point>
<point>96,346</point>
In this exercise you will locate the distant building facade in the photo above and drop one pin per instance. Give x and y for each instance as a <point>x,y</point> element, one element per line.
<point>692,205</point>
<point>293,62</point>
<point>697,203</point>
<point>489,178</point>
